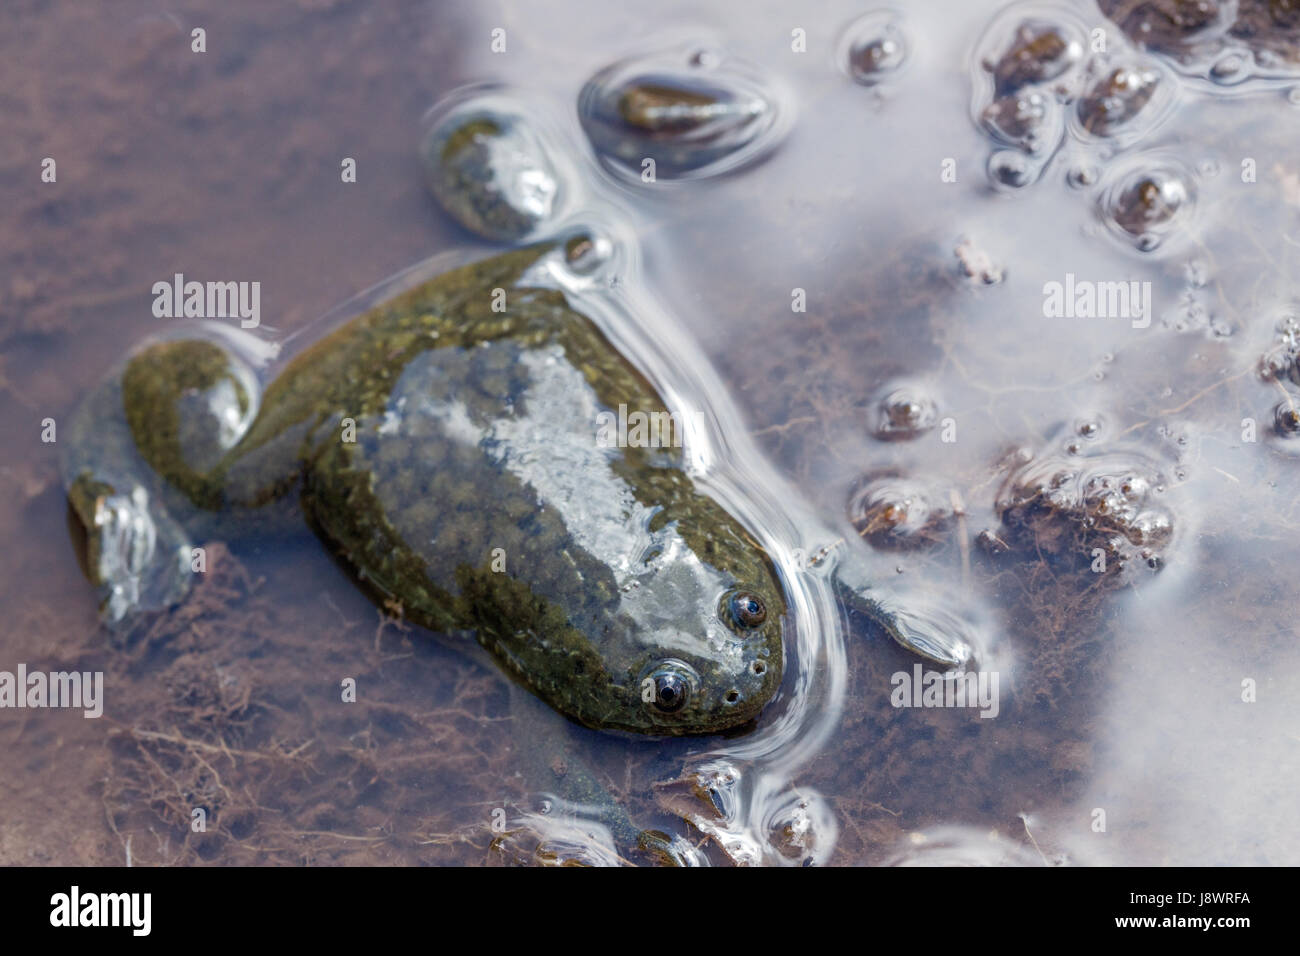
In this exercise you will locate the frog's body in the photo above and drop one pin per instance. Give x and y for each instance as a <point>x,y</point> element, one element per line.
<point>452,454</point>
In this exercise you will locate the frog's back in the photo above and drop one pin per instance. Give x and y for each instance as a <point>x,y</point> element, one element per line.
<point>476,493</point>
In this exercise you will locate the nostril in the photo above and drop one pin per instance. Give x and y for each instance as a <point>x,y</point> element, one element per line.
<point>758,667</point>
<point>732,696</point>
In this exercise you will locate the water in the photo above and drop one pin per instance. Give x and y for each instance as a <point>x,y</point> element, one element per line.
<point>1024,442</point>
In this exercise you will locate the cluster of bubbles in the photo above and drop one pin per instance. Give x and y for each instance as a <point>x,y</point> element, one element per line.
<point>975,266</point>
<point>1227,42</point>
<point>1196,309</point>
<point>1280,366</point>
<point>1083,496</point>
<point>1222,43</point>
<point>1042,79</point>
<point>1026,68</point>
<point>890,511</point>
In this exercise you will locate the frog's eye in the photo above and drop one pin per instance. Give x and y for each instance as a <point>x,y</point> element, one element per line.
<point>747,609</point>
<point>668,685</point>
<point>670,692</point>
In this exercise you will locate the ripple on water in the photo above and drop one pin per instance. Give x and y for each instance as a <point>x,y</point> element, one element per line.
<point>693,113</point>
<point>967,847</point>
<point>802,827</point>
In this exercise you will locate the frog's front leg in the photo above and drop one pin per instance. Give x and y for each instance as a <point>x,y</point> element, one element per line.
<point>149,470</point>
<point>913,620</point>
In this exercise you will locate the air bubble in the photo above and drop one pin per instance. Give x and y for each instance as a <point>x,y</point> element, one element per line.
<point>904,412</point>
<point>1286,419</point>
<point>893,512</point>
<point>1147,200</point>
<point>586,253</point>
<point>874,47</point>
<point>705,58</point>
<point>1089,428</point>
<point>1230,70</point>
<point>1081,177</point>
<point>1012,169</point>
<point>1039,51</point>
<point>1119,99</point>
<point>1030,120</point>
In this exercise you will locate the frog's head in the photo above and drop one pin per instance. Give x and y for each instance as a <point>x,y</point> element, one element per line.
<point>670,643</point>
<point>715,672</point>
<point>676,647</point>
<point>691,639</point>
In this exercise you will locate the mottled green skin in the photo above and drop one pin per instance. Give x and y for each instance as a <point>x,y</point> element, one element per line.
<point>455,473</point>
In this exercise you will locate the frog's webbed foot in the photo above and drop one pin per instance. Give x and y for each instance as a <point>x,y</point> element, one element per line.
<point>136,556</point>
<point>913,619</point>
<point>934,633</point>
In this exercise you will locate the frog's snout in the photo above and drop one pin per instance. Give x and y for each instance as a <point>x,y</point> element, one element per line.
<point>713,692</point>
<point>751,687</point>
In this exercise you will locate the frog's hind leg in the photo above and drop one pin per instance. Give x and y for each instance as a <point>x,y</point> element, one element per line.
<point>144,466</point>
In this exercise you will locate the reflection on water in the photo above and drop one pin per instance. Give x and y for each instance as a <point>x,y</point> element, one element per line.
<point>1005,318</point>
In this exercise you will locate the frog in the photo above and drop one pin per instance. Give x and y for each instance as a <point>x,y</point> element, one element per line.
<point>449,445</point>
<point>451,455</point>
